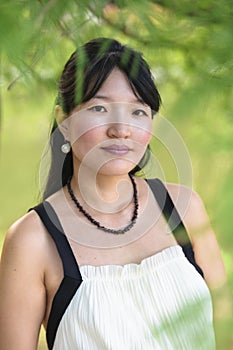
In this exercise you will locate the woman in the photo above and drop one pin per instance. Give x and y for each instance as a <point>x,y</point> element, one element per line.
<point>95,263</point>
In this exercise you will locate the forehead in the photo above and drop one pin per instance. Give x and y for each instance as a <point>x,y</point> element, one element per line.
<point>116,88</point>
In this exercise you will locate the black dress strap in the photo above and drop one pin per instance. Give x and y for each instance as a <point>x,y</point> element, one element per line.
<point>72,276</point>
<point>53,226</point>
<point>171,214</point>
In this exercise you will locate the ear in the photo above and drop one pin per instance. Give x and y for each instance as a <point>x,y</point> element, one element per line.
<point>61,119</point>
<point>59,114</point>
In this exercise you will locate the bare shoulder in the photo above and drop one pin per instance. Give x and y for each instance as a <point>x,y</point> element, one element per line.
<point>189,205</point>
<point>26,237</point>
<point>184,191</point>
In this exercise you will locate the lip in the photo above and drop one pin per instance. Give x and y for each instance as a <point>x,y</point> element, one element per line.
<point>117,149</point>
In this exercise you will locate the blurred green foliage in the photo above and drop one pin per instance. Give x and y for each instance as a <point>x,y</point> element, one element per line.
<point>189,45</point>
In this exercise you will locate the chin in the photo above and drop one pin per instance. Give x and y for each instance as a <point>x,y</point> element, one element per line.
<point>116,168</point>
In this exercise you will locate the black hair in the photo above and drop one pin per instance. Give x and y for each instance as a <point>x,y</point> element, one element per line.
<point>83,75</point>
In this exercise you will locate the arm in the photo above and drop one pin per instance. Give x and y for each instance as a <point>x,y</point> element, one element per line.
<point>196,221</point>
<point>205,244</point>
<point>22,290</point>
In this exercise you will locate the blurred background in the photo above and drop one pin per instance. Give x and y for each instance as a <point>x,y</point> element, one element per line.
<point>188,44</point>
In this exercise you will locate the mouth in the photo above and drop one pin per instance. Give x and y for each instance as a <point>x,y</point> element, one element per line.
<point>117,149</point>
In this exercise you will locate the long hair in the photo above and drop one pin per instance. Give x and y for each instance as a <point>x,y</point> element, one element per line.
<point>83,75</point>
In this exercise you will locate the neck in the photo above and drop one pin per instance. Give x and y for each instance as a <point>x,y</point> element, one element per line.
<point>106,193</point>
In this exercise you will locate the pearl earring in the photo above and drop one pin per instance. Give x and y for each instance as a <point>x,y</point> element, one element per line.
<point>65,148</point>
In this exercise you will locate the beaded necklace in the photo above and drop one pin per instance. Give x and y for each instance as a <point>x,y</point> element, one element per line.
<point>98,224</point>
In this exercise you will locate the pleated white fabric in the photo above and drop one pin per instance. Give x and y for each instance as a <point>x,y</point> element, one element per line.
<point>162,303</point>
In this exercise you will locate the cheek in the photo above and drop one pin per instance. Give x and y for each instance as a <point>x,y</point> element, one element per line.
<point>146,137</point>
<point>143,135</point>
<point>83,132</point>
<point>87,140</point>
<point>86,147</point>
<point>82,128</point>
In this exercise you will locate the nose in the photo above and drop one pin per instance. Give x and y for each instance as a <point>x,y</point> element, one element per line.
<point>119,130</point>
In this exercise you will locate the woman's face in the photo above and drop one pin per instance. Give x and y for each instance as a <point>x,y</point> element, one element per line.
<point>109,133</point>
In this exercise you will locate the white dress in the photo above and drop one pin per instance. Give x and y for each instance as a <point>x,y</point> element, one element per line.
<point>162,303</point>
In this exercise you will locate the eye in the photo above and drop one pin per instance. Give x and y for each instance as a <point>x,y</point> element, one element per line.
<point>98,108</point>
<point>140,113</point>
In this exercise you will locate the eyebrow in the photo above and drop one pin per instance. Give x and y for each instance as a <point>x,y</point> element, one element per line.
<point>103,97</point>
